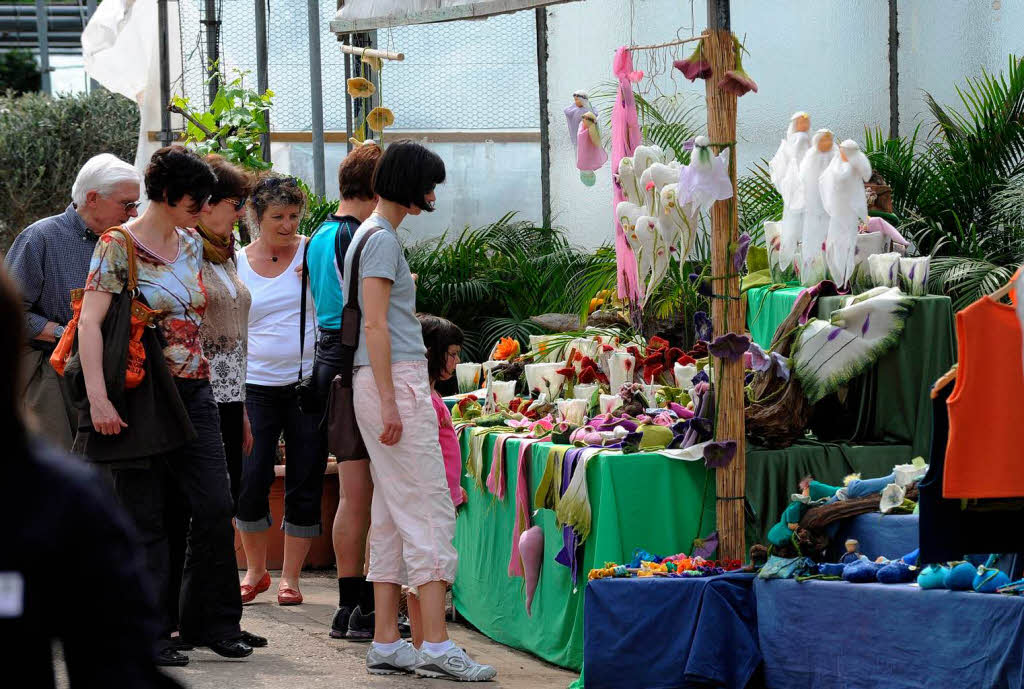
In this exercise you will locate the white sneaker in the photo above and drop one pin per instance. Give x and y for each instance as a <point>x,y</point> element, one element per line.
<point>454,665</point>
<point>401,661</point>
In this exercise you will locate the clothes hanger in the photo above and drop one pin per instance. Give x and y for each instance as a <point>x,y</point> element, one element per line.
<point>1005,289</point>
<point>944,380</point>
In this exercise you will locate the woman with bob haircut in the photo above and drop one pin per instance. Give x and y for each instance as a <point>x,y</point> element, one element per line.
<point>412,515</point>
<point>169,263</point>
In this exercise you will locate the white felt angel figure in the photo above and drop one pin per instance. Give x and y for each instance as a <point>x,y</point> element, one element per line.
<point>590,154</point>
<point>574,114</point>
<point>681,218</point>
<point>647,233</point>
<point>628,215</point>
<point>842,195</point>
<point>812,250</point>
<point>627,180</point>
<point>706,179</point>
<point>785,173</point>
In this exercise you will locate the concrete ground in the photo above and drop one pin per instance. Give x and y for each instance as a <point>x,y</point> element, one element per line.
<point>300,654</point>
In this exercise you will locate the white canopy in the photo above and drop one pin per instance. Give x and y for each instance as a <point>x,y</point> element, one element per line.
<point>366,15</point>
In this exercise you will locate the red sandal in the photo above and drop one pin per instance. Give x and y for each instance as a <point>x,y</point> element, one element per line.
<point>287,596</point>
<point>249,593</point>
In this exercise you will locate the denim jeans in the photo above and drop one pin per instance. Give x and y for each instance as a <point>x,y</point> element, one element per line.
<point>274,410</point>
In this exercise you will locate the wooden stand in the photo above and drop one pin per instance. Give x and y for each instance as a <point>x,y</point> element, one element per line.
<point>727,313</point>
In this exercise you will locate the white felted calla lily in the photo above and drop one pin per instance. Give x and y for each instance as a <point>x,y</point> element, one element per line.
<point>884,269</point>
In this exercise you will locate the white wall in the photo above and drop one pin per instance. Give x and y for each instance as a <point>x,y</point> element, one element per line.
<point>831,62</point>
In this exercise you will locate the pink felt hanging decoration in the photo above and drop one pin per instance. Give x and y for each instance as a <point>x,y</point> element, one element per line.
<point>531,546</point>
<point>625,139</point>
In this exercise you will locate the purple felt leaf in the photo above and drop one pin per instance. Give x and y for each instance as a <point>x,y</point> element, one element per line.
<point>719,454</point>
<point>705,547</point>
<point>701,377</point>
<point>531,549</point>
<point>867,324</point>
<point>759,359</point>
<point>729,346</point>
<point>834,334</point>
<point>781,365</point>
<point>739,257</point>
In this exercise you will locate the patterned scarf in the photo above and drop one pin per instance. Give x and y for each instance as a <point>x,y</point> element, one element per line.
<point>216,249</point>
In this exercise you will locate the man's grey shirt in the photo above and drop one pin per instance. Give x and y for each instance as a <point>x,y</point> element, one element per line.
<point>48,260</point>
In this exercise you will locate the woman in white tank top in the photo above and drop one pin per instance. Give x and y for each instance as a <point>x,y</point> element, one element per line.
<point>270,268</point>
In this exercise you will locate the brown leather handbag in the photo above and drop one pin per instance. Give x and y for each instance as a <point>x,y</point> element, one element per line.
<point>343,437</point>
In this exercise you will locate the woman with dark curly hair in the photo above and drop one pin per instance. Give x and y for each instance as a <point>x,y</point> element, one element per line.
<point>281,344</point>
<point>169,264</point>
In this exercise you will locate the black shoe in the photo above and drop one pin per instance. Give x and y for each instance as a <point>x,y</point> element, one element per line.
<point>252,640</point>
<point>403,627</point>
<point>339,625</point>
<point>360,626</point>
<point>230,648</point>
<point>169,657</point>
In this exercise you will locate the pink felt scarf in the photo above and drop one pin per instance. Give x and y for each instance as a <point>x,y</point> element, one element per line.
<point>625,139</point>
<point>522,506</point>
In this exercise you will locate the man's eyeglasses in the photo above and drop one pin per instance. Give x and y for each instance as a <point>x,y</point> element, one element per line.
<point>129,206</point>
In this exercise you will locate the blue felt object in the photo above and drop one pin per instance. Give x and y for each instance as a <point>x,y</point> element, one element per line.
<point>911,557</point>
<point>895,573</point>
<point>933,577</point>
<point>830,569</point>
<point>859,488</point>
<point>861,572</point>
<point>713,639</point>
<point>964,639</point>
<point>961,577</point>
<point>988,580</point>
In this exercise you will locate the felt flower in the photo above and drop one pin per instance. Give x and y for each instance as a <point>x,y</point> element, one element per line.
<point>703,427</point>
<point>703,327</point>
<point>739,251</point>
<point>700,379</point>
<point>705,547</point>
<point>719,454</point>
<point>694,67</point>
<point>781,365</point>
<point>736,81</point>
<point>703,286</point>
<point>660,360</point>
<point>379,118</point>
<point>729,346</point>
<point>686,360</point>
<point>506,349</point>
<point>760,361</point>
<point>590,372</point>
<point>360,88</point>
<point>699,350</point>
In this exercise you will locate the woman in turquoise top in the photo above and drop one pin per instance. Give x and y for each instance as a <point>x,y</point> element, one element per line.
<point>354,617</point>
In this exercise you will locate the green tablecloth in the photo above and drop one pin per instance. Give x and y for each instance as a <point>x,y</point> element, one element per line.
<point>890,404</point>
<point>641,500</point>
<point>772,475</point>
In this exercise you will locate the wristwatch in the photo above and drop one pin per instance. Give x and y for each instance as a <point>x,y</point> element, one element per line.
<point>58,332</point>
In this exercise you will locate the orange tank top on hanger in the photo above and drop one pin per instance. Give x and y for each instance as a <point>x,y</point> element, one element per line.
<point>985,451</point>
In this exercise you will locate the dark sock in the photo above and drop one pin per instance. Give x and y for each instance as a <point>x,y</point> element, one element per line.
<point>349,591</point>
<point>366,597</point>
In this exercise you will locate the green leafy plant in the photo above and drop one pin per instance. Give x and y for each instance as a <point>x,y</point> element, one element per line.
<point>19,72</point>
<point>958,192</point>
<point>232,125</point>
<point>45,141</point>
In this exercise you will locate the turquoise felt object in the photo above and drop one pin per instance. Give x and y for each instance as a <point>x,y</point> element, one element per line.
<point>819,491</point>
<point>989,579</point>
<point>933,577</point>
<point>861,572</point>
<point>780,534</point>
<point>961,577</point>
<point>896,573</point>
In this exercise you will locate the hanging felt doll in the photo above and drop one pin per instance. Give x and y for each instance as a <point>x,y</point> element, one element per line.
<point>842,195</point>
<point>706,179</point>
<point>590,155</point>
<point>815,229</point>
<point>785,175</point>
<point>574,114</point>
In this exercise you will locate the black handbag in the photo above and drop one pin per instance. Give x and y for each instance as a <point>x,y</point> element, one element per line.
<point>343,437</point>
<point>156,418</point>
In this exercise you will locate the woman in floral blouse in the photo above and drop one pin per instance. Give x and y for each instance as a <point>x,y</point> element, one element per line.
<point>169,263</point>
<point>226,324</point>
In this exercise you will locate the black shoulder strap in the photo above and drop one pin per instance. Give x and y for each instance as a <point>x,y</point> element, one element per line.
<point>302,305</point>
<point>342,240</point>
<point>351,314</point>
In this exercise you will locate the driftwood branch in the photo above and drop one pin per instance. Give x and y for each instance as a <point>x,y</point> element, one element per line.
<point>199,125</point>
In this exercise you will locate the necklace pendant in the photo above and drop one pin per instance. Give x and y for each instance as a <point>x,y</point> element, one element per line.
<point>274,259</point>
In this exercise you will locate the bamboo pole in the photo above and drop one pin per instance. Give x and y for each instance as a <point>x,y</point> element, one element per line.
<point>727,312</point>
<point>371,52</point>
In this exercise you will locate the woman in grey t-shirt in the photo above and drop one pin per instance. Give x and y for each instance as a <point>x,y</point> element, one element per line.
<point>412,516</point>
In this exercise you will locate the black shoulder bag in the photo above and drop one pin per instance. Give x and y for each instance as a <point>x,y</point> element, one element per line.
<point>343,437</point>
<point>309,400</point>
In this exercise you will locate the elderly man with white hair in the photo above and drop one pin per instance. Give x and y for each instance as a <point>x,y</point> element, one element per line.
<point>49,259</point>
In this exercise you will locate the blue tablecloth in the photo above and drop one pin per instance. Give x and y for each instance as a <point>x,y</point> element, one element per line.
<point>661,633</point>
<point>887,535</point>
<point>835,634</point>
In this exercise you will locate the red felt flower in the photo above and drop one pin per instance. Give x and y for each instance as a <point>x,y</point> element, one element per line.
<point>685,360</point>
<point>465,402</point>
